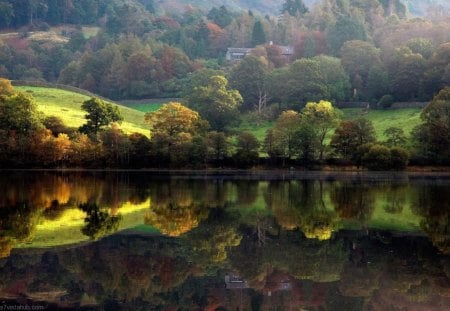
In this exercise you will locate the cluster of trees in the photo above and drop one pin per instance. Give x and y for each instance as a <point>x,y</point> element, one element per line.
<point>302,136</point>
<point>376,52</point>
<point>42,13</point>
<point>130,68</point>
<point>202,135</point>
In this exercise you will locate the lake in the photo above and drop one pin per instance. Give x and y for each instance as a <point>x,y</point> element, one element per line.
<point>95,240</point>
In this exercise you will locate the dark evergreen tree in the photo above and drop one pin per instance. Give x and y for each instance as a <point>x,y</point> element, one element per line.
<point>345,29</point>
<point>221,16</point>
<point>294,7</point>
<point>258,34</point>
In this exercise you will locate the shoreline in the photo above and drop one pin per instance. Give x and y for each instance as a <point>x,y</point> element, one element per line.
<point>256,173</point>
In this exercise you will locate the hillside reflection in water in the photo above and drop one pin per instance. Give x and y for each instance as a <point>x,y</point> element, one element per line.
<point>146,241</point>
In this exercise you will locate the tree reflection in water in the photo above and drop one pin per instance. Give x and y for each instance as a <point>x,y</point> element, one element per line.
<point>98,221</point>
<point>432,202</point>
<point>17,225</point>
<point>292,244</point>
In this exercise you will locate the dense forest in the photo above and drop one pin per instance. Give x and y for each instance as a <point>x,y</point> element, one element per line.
<point>300,62</point>
<point>136,52</point>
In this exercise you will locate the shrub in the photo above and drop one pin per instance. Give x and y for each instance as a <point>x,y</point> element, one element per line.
<point>386,101</point>
<point>399,158</point>
<point>378,158</point>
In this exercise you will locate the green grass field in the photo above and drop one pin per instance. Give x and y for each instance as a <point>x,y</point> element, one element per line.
<point>148,105</point>
<point>67,106</point>
<point>405,119</point>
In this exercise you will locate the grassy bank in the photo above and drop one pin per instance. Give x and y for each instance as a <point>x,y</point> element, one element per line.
<point>67,106</point>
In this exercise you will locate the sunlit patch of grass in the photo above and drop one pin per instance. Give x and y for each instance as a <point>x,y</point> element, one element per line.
<point>148,105</point>
<point>405,119</point>
<point>258,129</point>
<point>67,106</point>
<point>66,230</point>
<point>145,107</point>
<point>89,32</point>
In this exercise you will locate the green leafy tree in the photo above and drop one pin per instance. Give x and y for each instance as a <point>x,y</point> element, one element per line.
<point>199,78</point>
<point>247,147</point>
<point>377,84</point>
<point>422,46</point>
<point>336,79</point>
<point>395,136</point>
<point>437,74</point>
<point>249,78</point>
<point>216,103</point>
<point>219,146</point>
<point>306,141</point>
<point>19,120</point>
<point>345,29</point>
<point>19,114</point>
<point>221,16</point>
<point>399,158</point>
<point>282,136</point>
<point>350,136</point>
<point>358,58</point>
<point>433,136</point>
<point>377,158</point>
<point>407,75</point>
<point>306,82</point>
<point>116,146</point>
<point>323,116</point>
<point>99,114</point>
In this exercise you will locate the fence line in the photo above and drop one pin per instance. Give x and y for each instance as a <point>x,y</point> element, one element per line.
<point>397,105</point>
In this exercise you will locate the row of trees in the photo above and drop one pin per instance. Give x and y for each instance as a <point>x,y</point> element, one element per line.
<point>182,136</point>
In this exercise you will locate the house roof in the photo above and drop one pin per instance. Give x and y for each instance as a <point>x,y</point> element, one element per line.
<point>239,50</point>
<point>285,50</point>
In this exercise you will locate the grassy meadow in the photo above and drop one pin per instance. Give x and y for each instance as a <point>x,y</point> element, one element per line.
<point>148,105</point>
<point>67,106</point>
<point>405,119</point>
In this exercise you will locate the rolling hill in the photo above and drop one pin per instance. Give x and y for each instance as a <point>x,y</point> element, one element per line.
<point>67,106</point>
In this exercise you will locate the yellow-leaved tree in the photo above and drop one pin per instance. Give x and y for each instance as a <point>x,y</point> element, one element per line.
<point>172,128</point>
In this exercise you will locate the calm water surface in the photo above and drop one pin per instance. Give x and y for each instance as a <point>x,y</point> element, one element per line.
<point>268,241</point>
